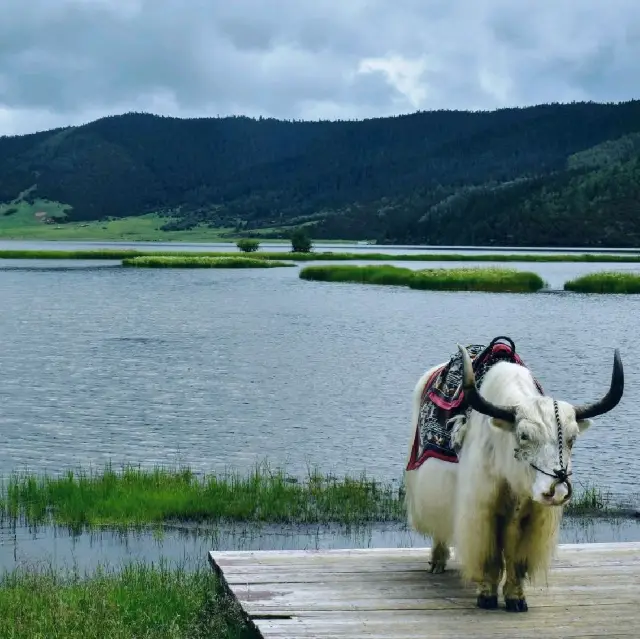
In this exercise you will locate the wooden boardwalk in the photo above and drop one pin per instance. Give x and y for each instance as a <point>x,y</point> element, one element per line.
<point>593,590</point>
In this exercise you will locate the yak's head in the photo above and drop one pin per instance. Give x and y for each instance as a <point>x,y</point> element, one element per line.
<point>544,430</point>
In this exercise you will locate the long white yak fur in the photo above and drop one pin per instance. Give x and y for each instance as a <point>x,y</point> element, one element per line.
<point>459,504</point>
<point>491,480</point>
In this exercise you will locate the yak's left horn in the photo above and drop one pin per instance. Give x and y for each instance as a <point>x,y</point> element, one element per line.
<point>473,397</point>
<point>611,399</point>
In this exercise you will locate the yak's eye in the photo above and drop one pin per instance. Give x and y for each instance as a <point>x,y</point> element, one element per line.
<point>571,441</point>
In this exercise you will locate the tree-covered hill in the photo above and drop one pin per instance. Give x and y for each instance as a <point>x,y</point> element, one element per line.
<point>556,174</point>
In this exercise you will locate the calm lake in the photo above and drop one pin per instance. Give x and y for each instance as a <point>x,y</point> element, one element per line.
<point>225,368</point>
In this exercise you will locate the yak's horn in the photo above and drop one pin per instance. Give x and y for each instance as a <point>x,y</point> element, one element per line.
<point>473,397</point>
<point>611,399</point>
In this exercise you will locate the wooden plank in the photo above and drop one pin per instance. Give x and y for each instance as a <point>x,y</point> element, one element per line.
<point>289,556</point>
<point>591,591</point>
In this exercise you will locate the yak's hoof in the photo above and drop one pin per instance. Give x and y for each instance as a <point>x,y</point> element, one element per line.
<point>516,605</point>
<point>437,567</point>
<point>487,602</point>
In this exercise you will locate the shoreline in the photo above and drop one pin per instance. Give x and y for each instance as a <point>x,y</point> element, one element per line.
<point>129,253</point>
<point>135,497</point>
<point>361,244</point>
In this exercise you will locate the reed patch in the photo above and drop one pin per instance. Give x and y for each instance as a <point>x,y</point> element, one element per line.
<point>172,261</point>
<point>138,496</point>
<point>491,279</point>
<point>605,282</point>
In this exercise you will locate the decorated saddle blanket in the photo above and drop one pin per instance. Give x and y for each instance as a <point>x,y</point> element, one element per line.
<point>443,402</point>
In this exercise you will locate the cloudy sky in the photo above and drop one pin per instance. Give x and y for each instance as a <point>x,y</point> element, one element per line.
<point>71,61</point>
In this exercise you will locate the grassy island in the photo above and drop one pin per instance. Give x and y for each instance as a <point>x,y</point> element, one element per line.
<point>437,279</point>
<point>605,282</point>
<point>172,261</point>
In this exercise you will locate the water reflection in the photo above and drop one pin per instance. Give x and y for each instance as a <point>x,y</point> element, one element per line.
<point>43,547</point>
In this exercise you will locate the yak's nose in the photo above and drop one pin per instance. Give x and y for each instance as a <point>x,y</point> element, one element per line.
<point>558,493</point>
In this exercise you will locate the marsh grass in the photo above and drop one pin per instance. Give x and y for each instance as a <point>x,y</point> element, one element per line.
<point>590,500</point>
<point>172,261</point>
<point>137,601</point>
<point>605,282</point>
<point>492,279</point>
<point>135,496</point>
<point>478,279</point>
<point>385,274</point>
<point>118,254</point>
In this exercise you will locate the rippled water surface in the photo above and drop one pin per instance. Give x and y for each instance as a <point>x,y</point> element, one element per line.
<point>220,368</point>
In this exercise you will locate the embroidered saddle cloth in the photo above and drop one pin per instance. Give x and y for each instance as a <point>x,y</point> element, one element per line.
<point>443,398</point>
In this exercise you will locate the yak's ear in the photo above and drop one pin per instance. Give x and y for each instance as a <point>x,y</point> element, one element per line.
<point>584,424</point>
<point>503,424</point>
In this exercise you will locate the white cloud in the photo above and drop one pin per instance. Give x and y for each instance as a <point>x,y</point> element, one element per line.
<point>68,61</point>
<point>404,75</point>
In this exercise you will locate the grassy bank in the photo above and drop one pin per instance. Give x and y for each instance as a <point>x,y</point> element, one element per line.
<point>172,261</point>
<point>138,601</point>
<point>607,282</point>
<point>118,254</point>
<point>134,496</point>
<point>439,279</point>
<point>22,220</point>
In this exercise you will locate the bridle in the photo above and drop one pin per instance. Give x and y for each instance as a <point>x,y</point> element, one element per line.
<point>561,474</point>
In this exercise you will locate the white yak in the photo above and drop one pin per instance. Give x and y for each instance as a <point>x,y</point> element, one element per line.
<point>500,506</point>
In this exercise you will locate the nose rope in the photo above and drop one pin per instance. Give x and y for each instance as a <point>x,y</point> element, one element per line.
<point>560,475</point>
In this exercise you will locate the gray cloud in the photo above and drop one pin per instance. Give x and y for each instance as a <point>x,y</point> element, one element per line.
<point>70,61</point>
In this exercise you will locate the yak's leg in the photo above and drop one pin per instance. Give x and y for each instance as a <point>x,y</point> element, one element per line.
<point>515,563</point>
<point>487,589</point>
<point>439,557</point>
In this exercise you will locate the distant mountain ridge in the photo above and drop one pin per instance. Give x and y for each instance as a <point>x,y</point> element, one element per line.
<point>553,174</point>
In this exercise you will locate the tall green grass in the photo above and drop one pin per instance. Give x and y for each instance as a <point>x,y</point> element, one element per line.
<point>118,254</point>
<point>457,279</point>
<point>372,274</point>
<point>589,501</point>
<point>172,261</point>
<point>137,496</point>
<point>139,601</point>
<point>606,282</point>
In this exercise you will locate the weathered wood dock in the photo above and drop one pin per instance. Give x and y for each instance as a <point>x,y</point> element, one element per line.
<point>593,590</point>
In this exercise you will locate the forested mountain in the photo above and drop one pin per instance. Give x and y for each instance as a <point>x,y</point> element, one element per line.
<point>555,174</point>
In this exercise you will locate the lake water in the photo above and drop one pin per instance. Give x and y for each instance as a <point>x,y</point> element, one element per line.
<point>223,368</point>
<point>42,548</point>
